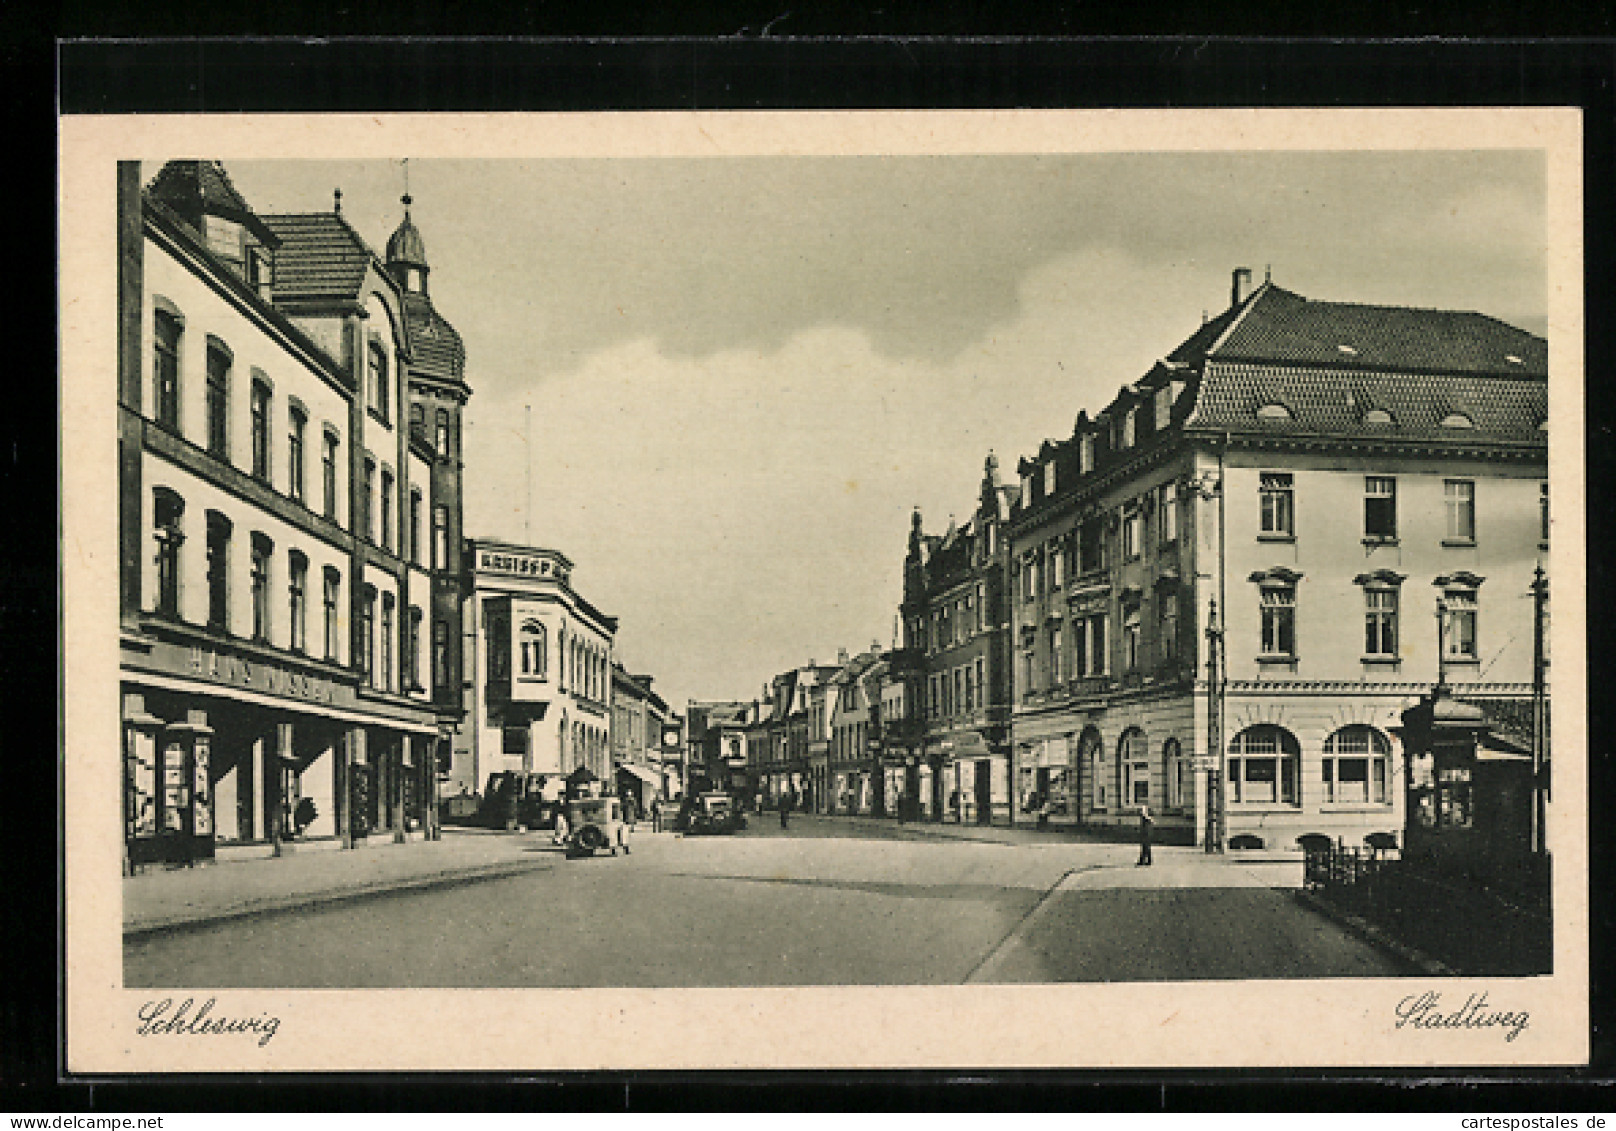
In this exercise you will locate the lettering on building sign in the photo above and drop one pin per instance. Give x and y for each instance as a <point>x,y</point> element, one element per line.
<point>520,565</point>
<point>238,672</point>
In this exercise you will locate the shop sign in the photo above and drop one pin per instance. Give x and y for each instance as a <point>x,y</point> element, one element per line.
<point>520,565</point>
<point>260,676</point>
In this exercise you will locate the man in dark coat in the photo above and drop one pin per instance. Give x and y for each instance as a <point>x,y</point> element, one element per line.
<point>785,809</point>
<point>1145,823</point>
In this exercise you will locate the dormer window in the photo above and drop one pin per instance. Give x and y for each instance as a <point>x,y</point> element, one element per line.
<point>1378,416</point>
<point>1049,478</point>
<point>1457,420</point>
<point>260,270</point>
<point>1085,448</point>
<point>1128,428</point>
<point>224,239</point>
<point>1164,407</point>
<point>1273,412</point>
<point>1347,350</point>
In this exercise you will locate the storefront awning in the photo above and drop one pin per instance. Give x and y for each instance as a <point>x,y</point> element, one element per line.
<point>649,777</point>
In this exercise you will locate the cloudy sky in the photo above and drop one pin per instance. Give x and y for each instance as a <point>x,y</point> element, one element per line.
<point>744,372</point>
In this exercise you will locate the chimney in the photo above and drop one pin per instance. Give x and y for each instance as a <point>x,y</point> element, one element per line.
<point>841,657</point>
<point>1241,289</point>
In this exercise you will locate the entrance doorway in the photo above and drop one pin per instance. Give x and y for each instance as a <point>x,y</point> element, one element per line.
<point>984,793</point>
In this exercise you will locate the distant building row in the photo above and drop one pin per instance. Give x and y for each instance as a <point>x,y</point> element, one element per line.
<point>1216,598</point>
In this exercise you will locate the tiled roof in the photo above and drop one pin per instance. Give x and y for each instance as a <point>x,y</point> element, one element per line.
<point>1335,403</point>
<point>1280,326</point>
<point>435,346</point>
<point>180,184</point>
<point>320,257</point>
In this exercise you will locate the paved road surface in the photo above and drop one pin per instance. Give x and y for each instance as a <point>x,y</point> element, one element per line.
<point>820,904</point>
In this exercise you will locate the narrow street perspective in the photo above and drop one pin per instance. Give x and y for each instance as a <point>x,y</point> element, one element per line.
<point>825,902</point>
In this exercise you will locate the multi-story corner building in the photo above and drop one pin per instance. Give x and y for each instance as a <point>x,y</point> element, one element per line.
<point>954,614</point>
<point>272,590</point>
<point>1230,582</point>
<point>817,732</point>
<point>539,695</point>
<point>715,739</point>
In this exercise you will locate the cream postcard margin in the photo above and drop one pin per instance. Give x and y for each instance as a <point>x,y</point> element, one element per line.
<point>1324,1023</point>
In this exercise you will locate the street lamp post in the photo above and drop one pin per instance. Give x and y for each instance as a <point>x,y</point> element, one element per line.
<point>1215,796</point>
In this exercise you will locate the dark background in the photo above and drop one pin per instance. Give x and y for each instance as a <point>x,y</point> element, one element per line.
<point>744,61</point>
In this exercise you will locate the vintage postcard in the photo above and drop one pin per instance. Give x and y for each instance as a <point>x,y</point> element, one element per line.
<point>843,590</point>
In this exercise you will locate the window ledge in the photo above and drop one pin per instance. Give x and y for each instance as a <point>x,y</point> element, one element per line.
<point>1266,806</point>
<point>1270,537</point>
<point>1459,542</point>
<point>1462,662</point>
<point>1374,540</point>
<point>1354,806</point>
<point>1381,661</point>
<point>1277,659</point>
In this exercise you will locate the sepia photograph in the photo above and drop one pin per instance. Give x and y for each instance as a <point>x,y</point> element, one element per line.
<point>824,590</point>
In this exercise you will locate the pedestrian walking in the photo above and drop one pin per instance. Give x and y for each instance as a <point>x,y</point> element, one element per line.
<point>656,814</point>
<point>561,824</point>
<point>785,810</point>
<point>1145,823</point>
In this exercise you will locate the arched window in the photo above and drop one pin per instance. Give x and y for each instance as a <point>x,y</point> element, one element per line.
<point>166,378</point>
<point>1263,766</point>
<point>1133,759</point>
<point>218,398</point>
<point>258,410</point>
<point>379,395</point>
<point>1355,766</point>
<point>1180,786</point>
<point>168,509</point>
<point>535,650</point>
<point>1091,757</point>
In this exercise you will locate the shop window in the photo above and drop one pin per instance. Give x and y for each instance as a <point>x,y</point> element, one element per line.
<point>168,512</point>
<point>1263,766</point>
<point>1091,756</point>
<point>166,378</point>
<point>1380,509</point>
<point>331,597</point>
<point>1278,505</point>
<point>1134,763</point>
<point>259,412</point>
<point>218,399</point>
<point>1180,783</point>
<point>1355,766</point>
<point>297,426</point>
<point>1453,809</point>
<point>218,554</point>
<point>1459,497</point>
<point>297,573</point>
<point>263,551</point>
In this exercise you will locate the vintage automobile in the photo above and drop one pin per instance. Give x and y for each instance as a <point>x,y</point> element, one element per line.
<point>594,824</point>
<point>713,813</point>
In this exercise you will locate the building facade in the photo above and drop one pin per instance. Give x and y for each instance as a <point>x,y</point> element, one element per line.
<point>539,692</point>
<point>715,743</point>
<point>1230,583</point>
<point>954,615</point>
<point>272,593</point>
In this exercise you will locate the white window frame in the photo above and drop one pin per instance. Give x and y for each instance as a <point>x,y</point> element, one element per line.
<point>1361,746</point>
<point>1459,506</point>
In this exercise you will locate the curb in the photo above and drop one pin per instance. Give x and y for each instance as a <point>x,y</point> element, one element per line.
<point>272,905</point>
<point>1375,935</point>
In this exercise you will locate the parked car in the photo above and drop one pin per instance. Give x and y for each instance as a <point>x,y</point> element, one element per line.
<point>713,813</point>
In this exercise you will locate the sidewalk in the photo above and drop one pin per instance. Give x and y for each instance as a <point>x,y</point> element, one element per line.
<point>1022,834</point>
<point>164,899</point>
